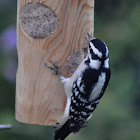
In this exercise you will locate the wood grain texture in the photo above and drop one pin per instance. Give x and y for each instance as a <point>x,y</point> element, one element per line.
<point>40,97</point>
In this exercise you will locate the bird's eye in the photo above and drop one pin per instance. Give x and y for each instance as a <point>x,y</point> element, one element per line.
<point>91,51</point>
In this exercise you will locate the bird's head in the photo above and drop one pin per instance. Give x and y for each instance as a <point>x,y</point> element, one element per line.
<point>97,49</point>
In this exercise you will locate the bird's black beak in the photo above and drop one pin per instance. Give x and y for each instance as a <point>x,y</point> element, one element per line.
<point>89,36</point>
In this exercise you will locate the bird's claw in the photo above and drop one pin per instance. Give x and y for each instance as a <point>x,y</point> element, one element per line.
<point>55,67</point>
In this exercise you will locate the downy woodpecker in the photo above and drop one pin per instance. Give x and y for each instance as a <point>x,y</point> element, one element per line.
<point>84,88</point>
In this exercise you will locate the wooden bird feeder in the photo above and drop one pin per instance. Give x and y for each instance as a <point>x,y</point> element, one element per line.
<point>48,30</point>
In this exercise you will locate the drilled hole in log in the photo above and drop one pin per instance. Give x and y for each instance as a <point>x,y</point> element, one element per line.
<point>76,58</point>
<point>38,20</point>
<point>74,61</point>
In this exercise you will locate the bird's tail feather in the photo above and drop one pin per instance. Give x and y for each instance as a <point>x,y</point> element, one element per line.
<point>63,132</point>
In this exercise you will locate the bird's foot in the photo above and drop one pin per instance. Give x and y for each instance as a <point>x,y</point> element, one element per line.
<point>55,67</point>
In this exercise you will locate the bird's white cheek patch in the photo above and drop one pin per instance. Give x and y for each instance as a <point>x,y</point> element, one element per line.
<point>96,51</point>
<point>106,63</point>
<point>95,64</point>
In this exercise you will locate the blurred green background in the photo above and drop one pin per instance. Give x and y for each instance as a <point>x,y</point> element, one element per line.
<point>118,114</point>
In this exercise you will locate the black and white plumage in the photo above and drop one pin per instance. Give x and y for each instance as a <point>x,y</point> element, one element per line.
<point>84,89</point>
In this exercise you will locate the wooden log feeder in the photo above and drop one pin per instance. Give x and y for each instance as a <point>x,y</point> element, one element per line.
<point>48,30</point>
